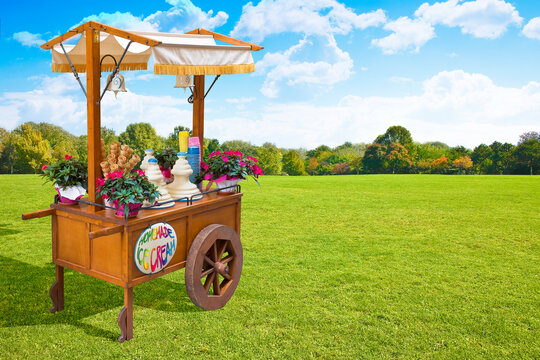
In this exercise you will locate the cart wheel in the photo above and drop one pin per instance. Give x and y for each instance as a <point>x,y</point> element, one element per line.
<point>213,266</point>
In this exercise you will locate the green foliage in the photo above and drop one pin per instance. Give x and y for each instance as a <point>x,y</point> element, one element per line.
<point>166,158</point>
<point>395,134</point>
<point>269,159</point>
<point>244,147</point>
<point>172,139</point>
<point>526,158</point>
<point>293,164</point>
<point>7,152</point>
<point>30,147</point>
<point>124,189</point>
<point>398,158</point>
<point>210,146</point>
<point>66,172</point>
<point>139,137</point>
<point>375,158</point>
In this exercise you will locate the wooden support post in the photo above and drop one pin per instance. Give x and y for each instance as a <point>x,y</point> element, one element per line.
<point>56,292</point>
<point>93,73</point>
<point>198,110</point>
<point>125,318</point>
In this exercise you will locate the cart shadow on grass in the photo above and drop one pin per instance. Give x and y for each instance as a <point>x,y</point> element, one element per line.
<point>25,300</point>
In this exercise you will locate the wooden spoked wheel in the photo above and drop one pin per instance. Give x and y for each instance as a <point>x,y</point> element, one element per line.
<point>213,266</point>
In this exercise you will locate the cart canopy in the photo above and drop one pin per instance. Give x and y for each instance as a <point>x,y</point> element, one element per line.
<point>195,53</point>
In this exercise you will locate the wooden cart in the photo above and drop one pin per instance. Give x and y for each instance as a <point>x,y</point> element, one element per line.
<point>94,241</point>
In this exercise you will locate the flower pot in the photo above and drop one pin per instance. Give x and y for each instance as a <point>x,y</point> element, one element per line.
<point>225,183</point>
<point>167,176</point>
<point>133,209</point>
<point>70,194</point>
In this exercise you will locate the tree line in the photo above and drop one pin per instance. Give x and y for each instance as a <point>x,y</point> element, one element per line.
<point>30,145</point>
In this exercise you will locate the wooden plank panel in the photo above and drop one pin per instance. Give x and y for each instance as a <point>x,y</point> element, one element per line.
<point>106,254</point>
<point>225,38</point>
<point>49,44</point>
<point>72,242</point>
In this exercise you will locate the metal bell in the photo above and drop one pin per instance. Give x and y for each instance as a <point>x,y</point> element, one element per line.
<point>117,84</point>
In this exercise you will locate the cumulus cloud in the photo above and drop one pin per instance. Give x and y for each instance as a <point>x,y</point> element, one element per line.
<point>282,67</point>
<point>28,39</point>
<point>58,100</point>
<point>407,34</point>
<point>532,29</point>
<point>310,17</point>
<point>181,17</point>
<point>480,18</point>
<point>456,107</point>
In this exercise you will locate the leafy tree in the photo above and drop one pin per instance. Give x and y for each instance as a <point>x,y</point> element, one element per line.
<point>315,152</point>
<point>501,156</point>
<point>81,147</point>
<point>312,165</point>
<point>7,153</point>
<point>374,160</point>
<point>526,158</point>
<point>341,169</point>
<point>464,163</point>
<point>245,147</point>
<point>108,136</point>
<point>141,136</point>
<point>323,169</point>
<point>481,153</point>
<point>425,165</point>
<point>210,146</point>
<point>356,165</point>
<point>440,165</point>
<point>457,152</point>
<point>528,136</point>
<point>293,164</point>
<point>30,147</point>
<point>398,157</point>
<point>269,160</point>
<point>395,134</point>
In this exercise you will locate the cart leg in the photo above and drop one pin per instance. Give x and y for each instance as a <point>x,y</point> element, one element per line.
<point>125,318</point>
<point>56,292</point>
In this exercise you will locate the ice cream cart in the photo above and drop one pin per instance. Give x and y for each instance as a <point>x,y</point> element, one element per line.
<point>201,236</point>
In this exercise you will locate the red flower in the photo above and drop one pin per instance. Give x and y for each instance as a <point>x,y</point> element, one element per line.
<point>225,159</point>
<point>252,158</point>
<point>44,167</point>
<point>68,157</point>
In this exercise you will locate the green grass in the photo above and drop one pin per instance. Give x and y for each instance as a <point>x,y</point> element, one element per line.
<point>385,266</point>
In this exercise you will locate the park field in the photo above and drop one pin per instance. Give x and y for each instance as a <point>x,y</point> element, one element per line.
<point>367,266</point>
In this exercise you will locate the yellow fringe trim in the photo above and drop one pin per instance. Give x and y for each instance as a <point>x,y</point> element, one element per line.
<point>165,69</point>
<point>65,68</point>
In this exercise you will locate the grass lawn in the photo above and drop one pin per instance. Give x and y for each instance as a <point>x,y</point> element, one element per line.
<point>375,266</point>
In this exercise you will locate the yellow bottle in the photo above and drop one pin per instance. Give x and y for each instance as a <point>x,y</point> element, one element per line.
<point>183,139</point>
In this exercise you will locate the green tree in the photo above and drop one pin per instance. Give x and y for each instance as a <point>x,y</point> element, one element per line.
<point>312,165</point>
<point>395,134</point>
<point>244,147</point>
<point>374,160</point>
<point>7,153</point>
<point>141,136</point>
<point>293,164</point>
<point>210,146</point>
<point>108,136</point>
<point>269,159</point>
<point>528,136</point>
<point>356,165</point>
<point>316,152</point>
<point>480,154</point>
<point>501,156</point>
<point>526,158</point>
<point>30,147</point>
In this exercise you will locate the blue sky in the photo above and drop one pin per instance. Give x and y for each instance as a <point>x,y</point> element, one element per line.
<point>461,72</point>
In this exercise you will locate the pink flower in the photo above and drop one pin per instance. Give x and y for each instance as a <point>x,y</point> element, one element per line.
<point>225,159</point>
<point>252,158</point>
<point>242,164</point>
<point>100,182</point>
<point>140,172</point>
<point>220,179</point>
<point>208,176</point>
<point>44,167</point>
<point>68,157</point>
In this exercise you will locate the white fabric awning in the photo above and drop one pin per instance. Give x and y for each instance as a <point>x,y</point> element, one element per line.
<point>178,54</point>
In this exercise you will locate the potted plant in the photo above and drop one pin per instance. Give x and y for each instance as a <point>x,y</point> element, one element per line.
<point>228,168</point>
<point>70,178</point>
<point>166,160</point>
<point>127,192</point>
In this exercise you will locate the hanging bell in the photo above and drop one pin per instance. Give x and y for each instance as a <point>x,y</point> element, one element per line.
<point>183,81</point>
<point>116,84</point>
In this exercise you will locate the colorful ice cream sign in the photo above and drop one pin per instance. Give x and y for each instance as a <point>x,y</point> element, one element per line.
<point>155,248</point>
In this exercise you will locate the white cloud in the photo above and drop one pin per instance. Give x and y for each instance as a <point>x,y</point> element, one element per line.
<point>532,29</point>
<point>310,17</point>
<point>241,100</point>
<point>480,18</point>
<point>181,17</point>
<point>455,107</point>
<point>407,34</point>
<point>281,67</point>
<point>28,39</point>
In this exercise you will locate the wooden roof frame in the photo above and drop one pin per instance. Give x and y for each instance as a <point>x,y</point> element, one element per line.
<point>141,39</point>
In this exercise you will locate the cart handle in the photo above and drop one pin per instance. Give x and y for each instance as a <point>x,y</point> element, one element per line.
<point>38,214</point>
<point>107,231</point>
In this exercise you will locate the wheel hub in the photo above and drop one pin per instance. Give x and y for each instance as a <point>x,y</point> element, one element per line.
<point>221,267</point>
